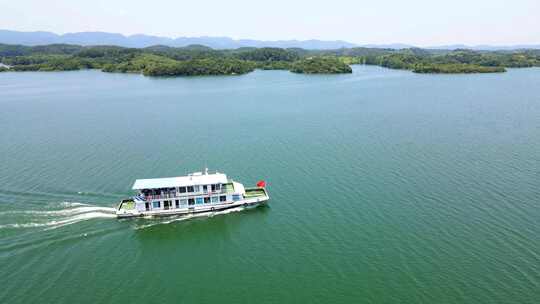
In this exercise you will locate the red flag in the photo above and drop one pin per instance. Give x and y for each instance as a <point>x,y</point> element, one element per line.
<point>261,184</point>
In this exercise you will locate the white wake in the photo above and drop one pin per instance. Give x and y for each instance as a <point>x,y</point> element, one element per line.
<point>74,213</point>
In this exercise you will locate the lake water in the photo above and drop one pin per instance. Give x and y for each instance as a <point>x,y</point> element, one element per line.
<point>386,187</point>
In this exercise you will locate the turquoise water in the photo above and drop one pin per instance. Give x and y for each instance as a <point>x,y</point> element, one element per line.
<point>386,187</point>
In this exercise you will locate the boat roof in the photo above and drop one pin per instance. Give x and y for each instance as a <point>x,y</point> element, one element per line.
<point>196,178</point>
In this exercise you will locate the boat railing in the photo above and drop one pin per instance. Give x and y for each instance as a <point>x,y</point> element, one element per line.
<point>185,195</point>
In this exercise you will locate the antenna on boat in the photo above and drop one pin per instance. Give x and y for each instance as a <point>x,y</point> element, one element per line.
<point>206,170</point>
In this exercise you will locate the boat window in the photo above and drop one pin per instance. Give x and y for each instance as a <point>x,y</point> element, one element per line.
<point>177,203</point>
<point>205,188</point>
<point>223,198</point>
<point>236,197</point>
<point>183,202</point>
<point>199,200</point>
<point>190,189</point>
<point>214,199</point>
<point>207,200</point>
<point>156,204</point>
<point>216,187</point>
<point>196,188</point>
<point>191,201</point>
<point>182,189</point>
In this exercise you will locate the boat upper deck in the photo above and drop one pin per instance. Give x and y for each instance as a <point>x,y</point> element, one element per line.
<point>197,178</point>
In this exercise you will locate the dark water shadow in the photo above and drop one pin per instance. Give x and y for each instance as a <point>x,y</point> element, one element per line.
<point>182,228</point>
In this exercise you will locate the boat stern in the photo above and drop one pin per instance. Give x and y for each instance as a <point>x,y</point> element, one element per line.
<point>127,208</point>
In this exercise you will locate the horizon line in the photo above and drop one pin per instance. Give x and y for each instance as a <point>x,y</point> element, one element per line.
<point>366,44</point>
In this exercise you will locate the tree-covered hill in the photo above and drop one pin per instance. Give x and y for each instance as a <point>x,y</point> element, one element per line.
<point>162,60</point>
<point>320,65</point>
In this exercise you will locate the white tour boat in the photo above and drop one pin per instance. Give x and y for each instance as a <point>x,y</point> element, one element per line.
<point>195,193</point>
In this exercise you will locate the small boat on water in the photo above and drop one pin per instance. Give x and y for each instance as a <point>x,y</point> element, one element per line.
<point>194,193</point>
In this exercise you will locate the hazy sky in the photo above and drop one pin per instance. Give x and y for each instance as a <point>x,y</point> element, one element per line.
<point>418,22</point>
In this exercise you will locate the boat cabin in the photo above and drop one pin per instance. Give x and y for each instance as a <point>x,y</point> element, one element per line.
<point>196,189</point>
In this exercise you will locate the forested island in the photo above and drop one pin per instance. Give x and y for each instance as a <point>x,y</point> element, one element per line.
<point>201,60</point>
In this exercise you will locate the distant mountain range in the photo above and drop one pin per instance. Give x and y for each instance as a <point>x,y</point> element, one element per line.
<point>140,41</point>
<point>486,47</point>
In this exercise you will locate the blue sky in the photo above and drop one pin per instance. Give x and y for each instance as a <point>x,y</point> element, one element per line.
<point>418,22</point>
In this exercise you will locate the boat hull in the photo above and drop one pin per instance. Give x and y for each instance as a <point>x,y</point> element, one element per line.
<point>247,203</point>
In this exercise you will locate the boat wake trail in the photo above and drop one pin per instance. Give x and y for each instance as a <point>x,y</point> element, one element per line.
<point>71,213</point>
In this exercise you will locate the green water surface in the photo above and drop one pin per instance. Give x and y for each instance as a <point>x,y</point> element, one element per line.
<point>386,187</point>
